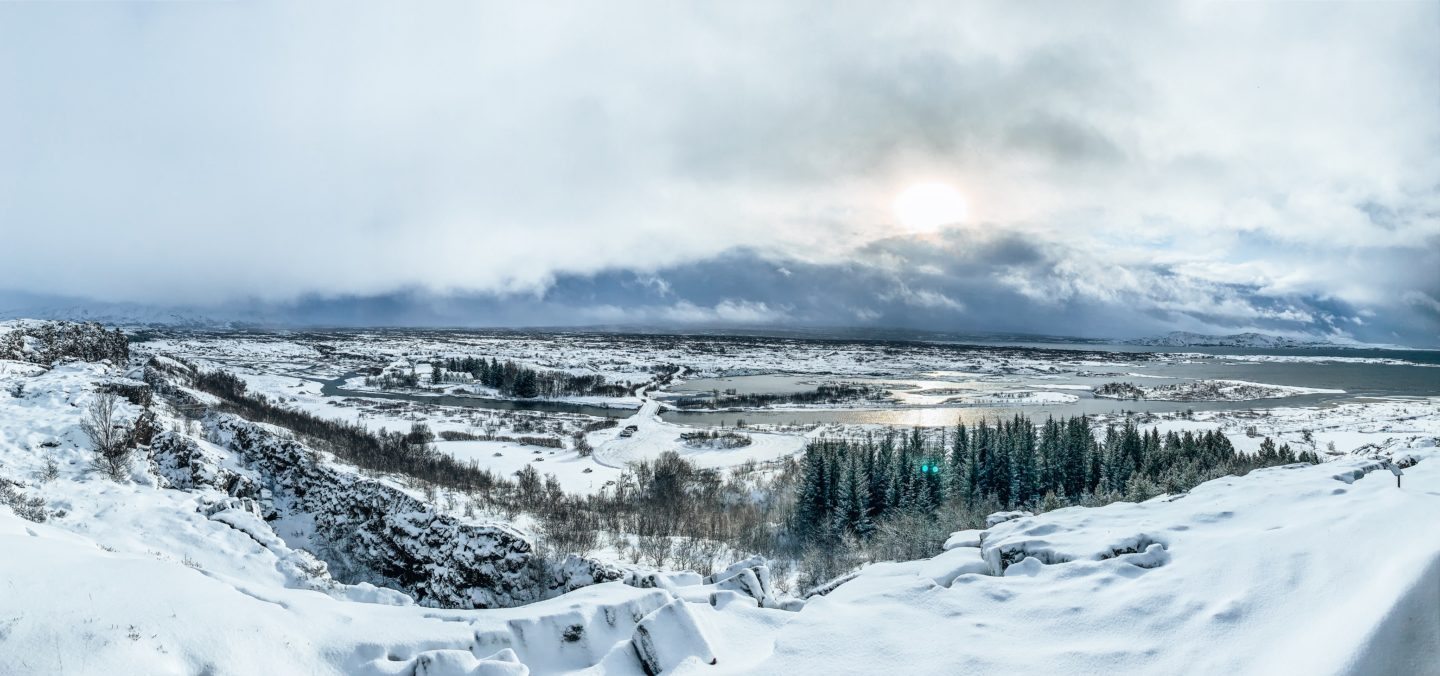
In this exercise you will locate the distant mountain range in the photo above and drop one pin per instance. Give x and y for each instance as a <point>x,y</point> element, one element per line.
<point>22,305</point>
<point>1188,339</point>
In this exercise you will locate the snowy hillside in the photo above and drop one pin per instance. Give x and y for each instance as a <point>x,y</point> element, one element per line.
<point>1313,569</point>
<point>228,546</point>
<point>1295,570</point>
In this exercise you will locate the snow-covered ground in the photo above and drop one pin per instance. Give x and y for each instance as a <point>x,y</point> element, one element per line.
<point>652,436</point>
<point>1304,569</point>
<point>1325,569</point>
<point>1296,570</point>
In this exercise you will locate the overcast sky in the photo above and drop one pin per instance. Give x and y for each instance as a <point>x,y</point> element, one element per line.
<point>1128,168</point>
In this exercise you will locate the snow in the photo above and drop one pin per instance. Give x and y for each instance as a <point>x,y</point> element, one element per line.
<point>1310,359</point>
<point>653,436</point>
<point>1215,390</point>
<point>1283,571</point>
<point>1301,569</point>
<point>576,474</point>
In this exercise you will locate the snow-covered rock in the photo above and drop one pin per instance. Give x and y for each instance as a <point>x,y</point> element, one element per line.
<point>46,342</point>
<point>964,538</point>
<point>464,663</point>
<point>401,540</point>
<point>670,637</point>
<point>953,563</point>
<point>1001,517</point>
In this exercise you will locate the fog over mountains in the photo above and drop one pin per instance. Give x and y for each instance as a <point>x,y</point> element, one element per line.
<point>1206,167</point>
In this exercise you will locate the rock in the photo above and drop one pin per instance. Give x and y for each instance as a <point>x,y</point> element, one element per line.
<point>791,605</point>
<point>953,563</point>
<point>965,538</point>
<point>46,342</point>
<point>1001,517</point>
<point>723,599</point>
<point>464,663</point>
<point>756,585</point>
<point>668,637</point>
<point>183,464</point>
<point>399,539</point>
<point>577,571</point>
<point>746,583</point>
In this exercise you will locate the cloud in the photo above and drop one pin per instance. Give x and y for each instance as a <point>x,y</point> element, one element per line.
<point>960,282</point>
<point>1197,163</point>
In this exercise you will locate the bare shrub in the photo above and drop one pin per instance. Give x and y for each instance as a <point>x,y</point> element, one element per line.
<point>698,554</point>
<point>108,436</point>
<point>657,549</point>
<point>571,531</point>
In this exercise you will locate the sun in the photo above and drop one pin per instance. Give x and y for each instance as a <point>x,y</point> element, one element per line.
<point>928,207</point>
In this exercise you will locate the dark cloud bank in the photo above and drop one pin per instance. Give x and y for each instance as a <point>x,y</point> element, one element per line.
<point>958,282</point>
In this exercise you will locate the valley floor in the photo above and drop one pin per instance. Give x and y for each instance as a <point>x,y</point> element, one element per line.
<point>1303,569</point>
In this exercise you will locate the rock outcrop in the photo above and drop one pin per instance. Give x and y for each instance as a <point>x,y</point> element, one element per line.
<point>46,342</point>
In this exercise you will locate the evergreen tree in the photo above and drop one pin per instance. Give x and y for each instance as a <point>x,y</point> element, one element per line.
<point>526,386</point>
<point>984,469</point>
<point>1025,474</point>
<point>880,478</point>
<point>956,468</point>
<point>812,506</point>
<point>853,500</point>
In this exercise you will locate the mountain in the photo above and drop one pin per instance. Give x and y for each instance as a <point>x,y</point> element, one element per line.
<point>1251,339</point>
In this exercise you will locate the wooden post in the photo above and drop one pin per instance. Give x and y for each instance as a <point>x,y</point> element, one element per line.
<point>1395,469</point>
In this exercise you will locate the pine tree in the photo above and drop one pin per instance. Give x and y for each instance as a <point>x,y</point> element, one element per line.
<point>983,469</point>
<point>526,386</point>
<point>1002,470</point>
<point>956,467</point>
<point>853,499</point>
<point>880,477</point>
<point>1024,484</point>
<point>812,507</point>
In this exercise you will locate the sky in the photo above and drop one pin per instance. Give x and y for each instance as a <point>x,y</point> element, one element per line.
<point>1125,168</point>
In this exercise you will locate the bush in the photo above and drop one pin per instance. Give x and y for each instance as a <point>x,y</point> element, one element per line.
<point>452,435</point>
<point>582,445</point>
<point>51,471</point>
<point>32,509</point>
<point>109,437</point>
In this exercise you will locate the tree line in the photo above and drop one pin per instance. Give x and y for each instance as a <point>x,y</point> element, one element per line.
<point>411,453</point>
<point>825,393</point>
<point>514,380</point>
<point>848,486</point>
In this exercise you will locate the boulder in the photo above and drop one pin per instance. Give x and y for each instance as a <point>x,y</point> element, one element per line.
<point>1001,517</point>
<point>669,636</point>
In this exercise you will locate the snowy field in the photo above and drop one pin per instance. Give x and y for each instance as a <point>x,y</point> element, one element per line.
<point>1323,569</point>
<point>1305,569</point>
